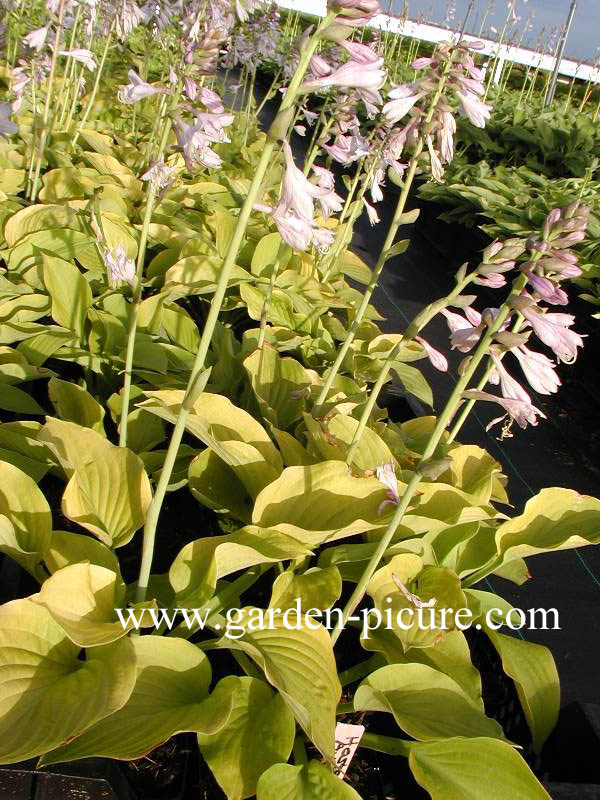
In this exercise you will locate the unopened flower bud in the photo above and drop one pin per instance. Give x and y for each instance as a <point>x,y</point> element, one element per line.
<point>571,209</point>
<point>551,220</point>
<point>492,250</point>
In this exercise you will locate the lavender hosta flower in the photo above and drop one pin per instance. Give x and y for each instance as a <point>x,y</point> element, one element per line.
<point>330,202</point>
<point>85,57</point>
<point>371,212</point>
<point>297,192</point>
<point>361,53</point>
<point>36,39</point>
<point>520,411</point>
<point>386,474</point>
<point>119,266</point>
<point>190,87</point>
<point>346,149</point>
<point>354,12</point>
<point>475,109</point>
<point>211,100</point>
<point>298,232</point>
<point>159,175</point>
<point>195,145</point>
<point>128,17</point>
<point>553,329</point>
<point>319,67</point>
<point>353,75</point>
<point>437,169</point>
<point>438,359</point>
<point>538,370</point>
<point>493,280</point>
<point>511,389</point>
<point>7,126</point>
<point>445,136</point>
<point>402,100</point>
<point>137,89</point>
<point>465,333</point>
<point>546,289</point>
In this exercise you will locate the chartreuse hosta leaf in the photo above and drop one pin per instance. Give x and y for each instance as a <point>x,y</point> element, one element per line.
<point>316,588</point>
<point>199,564</point>
<point>215,484</point>
<point>259,733</point>
<point>313,781</point>
<point>533,670</point>
<point>451,656</point>
<point>332,439</point>
<point>47,694</point>
<point>426,703</point>
<point>298,661</point>
<point>70,292</point>
<point>321,502</point>
<point>230,432</point>
<point>108,490</point>
<point>66,548</point>
<point>555,519</point>
<point>473,470</point>
<point>74,404</point>
<point>279,385</point>
<point>477,769</point>
<point>427,583</point>
<point>82,599</point>
<point>170,696</point>
<point>25,518</point>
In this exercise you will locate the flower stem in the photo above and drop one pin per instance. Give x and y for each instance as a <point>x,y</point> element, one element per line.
<point>137,294</point>
<point>96,86</point>
<point>45,120</point>
<point>440,428</point>
<point>211,320</point>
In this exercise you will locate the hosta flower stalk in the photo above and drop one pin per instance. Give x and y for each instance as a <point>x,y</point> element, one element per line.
<point>279,130</point>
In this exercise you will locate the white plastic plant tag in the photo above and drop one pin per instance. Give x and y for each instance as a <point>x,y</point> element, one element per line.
<point>347,739</point>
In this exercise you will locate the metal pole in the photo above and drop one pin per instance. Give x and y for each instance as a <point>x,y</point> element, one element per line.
<point>559,54</point>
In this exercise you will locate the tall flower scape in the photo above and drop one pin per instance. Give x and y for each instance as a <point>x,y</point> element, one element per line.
<point>186,326</point>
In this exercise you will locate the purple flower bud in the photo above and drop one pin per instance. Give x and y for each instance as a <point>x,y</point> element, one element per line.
<point>551,220</point>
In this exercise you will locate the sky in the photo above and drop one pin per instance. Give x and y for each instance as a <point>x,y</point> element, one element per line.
<point>583,41</point>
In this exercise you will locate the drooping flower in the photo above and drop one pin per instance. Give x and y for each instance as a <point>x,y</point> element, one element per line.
<point>472,107</point>
<point>159,175</point>
<point>36,39</point>
<point>552,329</point>
<point>371,213</point>
<point>510,388</point>
<point>137,89</point>
<point>297,192</point>
<point>211,100</point>
<point>547,289</point>
<point>402,100</point>
<point>85,57</point>
<point>346,149</point>
<point>386,474</point>
<point>522,412</point>
<point>538,370</point>
<point>119,266</point>
<point>465,333</point>
<point>330,202</point>
<point>353,75</point>
<point>438,359</point>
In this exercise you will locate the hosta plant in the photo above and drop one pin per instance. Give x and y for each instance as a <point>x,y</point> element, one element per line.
<point>183,322</point>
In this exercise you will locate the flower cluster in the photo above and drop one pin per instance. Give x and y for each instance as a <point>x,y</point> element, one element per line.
<point>207,129</point>
<point>463,86</point>
<point>549,261</point>
<point>293,214</point>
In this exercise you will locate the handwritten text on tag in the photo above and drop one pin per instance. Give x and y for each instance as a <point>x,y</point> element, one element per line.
<point>347,739</point>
